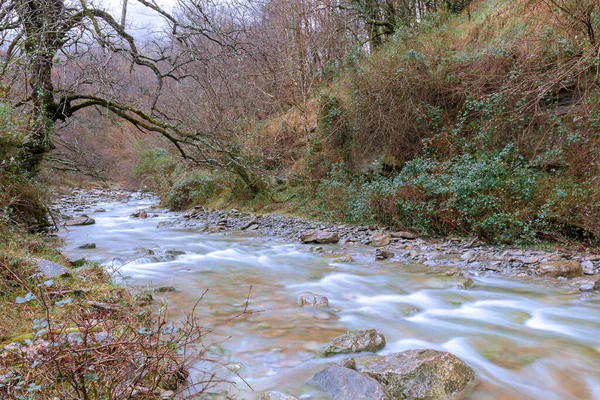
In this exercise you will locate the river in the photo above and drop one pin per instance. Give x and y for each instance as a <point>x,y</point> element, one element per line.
<point>526,339</point>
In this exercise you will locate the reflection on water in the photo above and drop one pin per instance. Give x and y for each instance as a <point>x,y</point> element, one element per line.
<point>526,340</point>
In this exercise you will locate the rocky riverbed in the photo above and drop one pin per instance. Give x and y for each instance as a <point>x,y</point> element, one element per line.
<point>479,302</point>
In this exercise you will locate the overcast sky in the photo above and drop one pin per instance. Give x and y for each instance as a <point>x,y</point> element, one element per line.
<point>139,17</point>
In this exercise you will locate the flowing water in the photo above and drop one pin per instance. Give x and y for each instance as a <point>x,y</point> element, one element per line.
<point>525,339</point>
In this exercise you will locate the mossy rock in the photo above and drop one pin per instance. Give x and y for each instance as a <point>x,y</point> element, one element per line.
<point>419,374</point>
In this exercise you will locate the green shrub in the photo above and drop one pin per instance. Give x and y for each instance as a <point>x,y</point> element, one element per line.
<point>156,170</point>
<point>192,188</point>
<point>495,195</point>
<point>21,197</point>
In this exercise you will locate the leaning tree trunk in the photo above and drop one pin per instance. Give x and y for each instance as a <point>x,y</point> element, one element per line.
<point>43,35</point>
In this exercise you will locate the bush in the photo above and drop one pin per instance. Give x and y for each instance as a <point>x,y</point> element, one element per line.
<point>21,197</point>
<point>155,170</point>
<point>192,188</point>
<point>495,195</point>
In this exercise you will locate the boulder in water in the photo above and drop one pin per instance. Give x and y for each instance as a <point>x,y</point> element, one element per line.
<point>140,214</point>
<point>346,384</point>
<point>466,283</point>
<point>355,342</point>
<point>81,220</point>
<point>419,374</point>
<point>315,300</point>
<point>383,254</point>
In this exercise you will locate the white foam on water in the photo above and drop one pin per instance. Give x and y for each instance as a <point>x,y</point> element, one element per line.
<point>421,299</point>
<point>542,320</point>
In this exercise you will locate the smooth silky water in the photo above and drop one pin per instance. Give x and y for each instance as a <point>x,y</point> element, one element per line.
<point>525,339</point>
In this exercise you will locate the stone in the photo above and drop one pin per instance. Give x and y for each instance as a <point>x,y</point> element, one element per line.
<point>453,272</point>
<point>100,210</point>
<point>140,214</point>
<point>144,298</point>
<point>469,257</point>
<point>466,283</point>
<point>248,224</point>
<point>419,374</point>
<point>587,284</point>
<point>588,267</point>
<point>319,236</point>
<point>355,342</point>
<point>565,269</point>
<point>404,235</point>
<point>78,263</point>
<point>173,252</point>
<point>87,246</point>
<point>163,224</point>
<point>346,258</point>
<point>383,254</point>
<point>347,384</point>
<point>380,239</point>
<point>274,395</point>
<point>528,260</point>
<point>51,269</point>
<point>348,363</point>
<point>315,300</point>
<point>164,289</point>
<point>81,220</point>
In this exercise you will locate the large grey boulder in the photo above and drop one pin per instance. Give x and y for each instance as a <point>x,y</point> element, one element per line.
<point>345,384</point>
<point>51,269</point>
<point>319,236</point>
<point>419,374</point>
<point>83,219</point>
<point>355,342</point>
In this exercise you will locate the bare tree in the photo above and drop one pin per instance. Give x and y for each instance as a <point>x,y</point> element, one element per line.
<point>64,56</point>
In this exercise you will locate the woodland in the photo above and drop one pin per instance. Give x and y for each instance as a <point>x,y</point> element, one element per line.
<point>466,118</point>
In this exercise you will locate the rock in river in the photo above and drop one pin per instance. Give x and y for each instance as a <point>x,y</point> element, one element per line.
<point>311,299</point>
<point>140,214</point>
<point>355,342</point>
<point>81,220</point>
<point>419,374</point>
<point>319,236</point>
<point>383,254</point>
<point>343,383</point>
